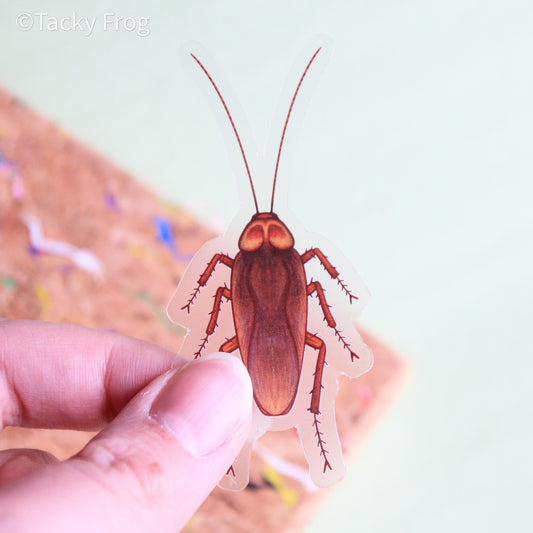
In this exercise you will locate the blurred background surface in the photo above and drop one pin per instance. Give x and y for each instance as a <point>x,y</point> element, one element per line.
<point>414,158</point>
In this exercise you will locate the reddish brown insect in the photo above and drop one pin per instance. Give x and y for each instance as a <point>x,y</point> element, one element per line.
<point>268,293</point>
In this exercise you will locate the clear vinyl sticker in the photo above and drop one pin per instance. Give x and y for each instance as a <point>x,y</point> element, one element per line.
<point>268,291</point>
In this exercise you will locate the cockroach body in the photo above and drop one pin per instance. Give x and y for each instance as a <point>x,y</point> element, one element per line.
<point>270,311</point>
<point>268,293</point>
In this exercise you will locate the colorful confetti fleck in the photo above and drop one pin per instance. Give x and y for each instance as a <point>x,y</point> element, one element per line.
<point>43,295</point>
<point>284,467</point>
<point>8,282</point>
<point>274,478</point>
<point>84,259</point>
<point>165,236</point>
<point>138,250</point>
<point>143,296</point>
<point>364,393</point>
<point>111,201</point>
<point>12,171</point>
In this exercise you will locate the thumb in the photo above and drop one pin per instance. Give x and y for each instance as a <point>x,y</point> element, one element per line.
<point>152,467</point>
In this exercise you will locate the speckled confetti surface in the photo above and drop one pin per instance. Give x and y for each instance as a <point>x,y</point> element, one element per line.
<point>82,242</point>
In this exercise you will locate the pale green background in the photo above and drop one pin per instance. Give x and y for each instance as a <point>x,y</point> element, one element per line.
<point>415,158</point>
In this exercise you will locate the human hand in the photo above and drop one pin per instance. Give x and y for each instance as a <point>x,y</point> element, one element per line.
<point>170,429</point>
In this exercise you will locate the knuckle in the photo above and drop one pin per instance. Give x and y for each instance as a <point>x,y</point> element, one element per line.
<point>122,465</point>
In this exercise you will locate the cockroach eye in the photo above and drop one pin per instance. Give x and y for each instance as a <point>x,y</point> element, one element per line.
<point>280,237</point>
<point>252,238</point>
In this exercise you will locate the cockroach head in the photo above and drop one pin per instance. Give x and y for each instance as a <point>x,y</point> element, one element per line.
<point>265,230</point>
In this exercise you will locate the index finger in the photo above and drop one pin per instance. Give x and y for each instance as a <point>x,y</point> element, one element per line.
<point>63,376</point>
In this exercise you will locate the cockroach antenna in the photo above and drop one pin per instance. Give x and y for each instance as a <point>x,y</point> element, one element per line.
<point>285,127</point>
<point>233,126</point>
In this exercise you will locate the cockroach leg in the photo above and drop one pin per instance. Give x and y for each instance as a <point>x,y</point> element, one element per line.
<point>230,345</point>
<point>321,443</point>
<point>222,292</point>
<point>318,344</point>
<point>207,273</point>
<point>330,269</point>
<point>315,286</point>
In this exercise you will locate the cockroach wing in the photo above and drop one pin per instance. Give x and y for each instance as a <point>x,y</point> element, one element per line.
<point>269,302</point>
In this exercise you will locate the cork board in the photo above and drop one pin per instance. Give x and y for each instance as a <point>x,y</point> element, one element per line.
<point>121,254</point>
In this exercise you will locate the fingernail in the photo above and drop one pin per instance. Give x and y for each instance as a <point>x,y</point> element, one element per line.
<point>205,402</point>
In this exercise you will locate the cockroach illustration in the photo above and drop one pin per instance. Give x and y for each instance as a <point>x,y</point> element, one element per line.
<point>269,292</point>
